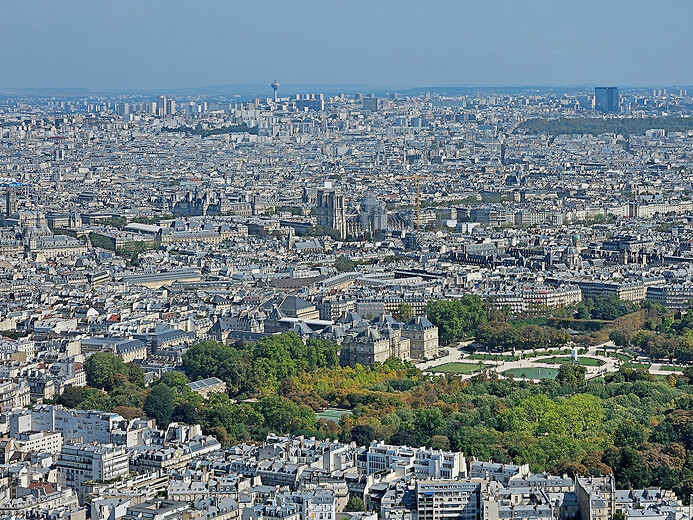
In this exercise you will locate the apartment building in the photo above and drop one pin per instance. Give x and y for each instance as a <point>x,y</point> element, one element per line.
<point>596,497</point>
<point>39,442</point>
<point>75,425</point>
<point>448,500</point>
<point>421,462</point>
<point>81,463</point>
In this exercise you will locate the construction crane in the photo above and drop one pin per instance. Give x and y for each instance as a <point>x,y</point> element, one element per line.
<point>416,178</point>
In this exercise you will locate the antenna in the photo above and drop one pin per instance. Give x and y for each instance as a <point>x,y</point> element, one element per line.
<point>275,87</point>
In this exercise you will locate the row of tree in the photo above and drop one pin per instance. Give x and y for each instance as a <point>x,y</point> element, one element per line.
<point>604,308</point>
<point>597,126</point>
<point>504,336</point>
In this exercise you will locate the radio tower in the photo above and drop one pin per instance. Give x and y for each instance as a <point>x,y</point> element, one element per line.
<point>275,87</point>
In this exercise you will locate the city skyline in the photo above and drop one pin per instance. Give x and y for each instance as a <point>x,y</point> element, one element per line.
<point>150,45</point>
<point>346,260</point>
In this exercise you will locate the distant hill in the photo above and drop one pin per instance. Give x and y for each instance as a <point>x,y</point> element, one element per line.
<point>527,90</point>
<point>206,132</point>
<point>45,92</point>
<point>594,125</point>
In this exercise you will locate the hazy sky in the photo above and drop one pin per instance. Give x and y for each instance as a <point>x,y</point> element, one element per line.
<point>169,43</point>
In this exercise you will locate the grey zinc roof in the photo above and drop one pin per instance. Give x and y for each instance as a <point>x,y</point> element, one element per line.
<point>419,323</point>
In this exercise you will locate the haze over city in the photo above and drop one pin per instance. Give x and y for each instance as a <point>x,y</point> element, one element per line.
<point>131,44</point>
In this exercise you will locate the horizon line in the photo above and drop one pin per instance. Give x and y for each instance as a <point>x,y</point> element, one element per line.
<point>244,88</point>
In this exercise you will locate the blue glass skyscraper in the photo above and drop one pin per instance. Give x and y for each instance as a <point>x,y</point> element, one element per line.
<point>606,99</point>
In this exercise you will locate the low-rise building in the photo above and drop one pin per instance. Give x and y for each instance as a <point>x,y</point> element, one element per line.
<point>208,386</point>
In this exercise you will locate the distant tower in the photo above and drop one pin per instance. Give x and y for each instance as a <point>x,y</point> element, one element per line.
<point>275,87</point>
<point>606,99</point>
<point>331,210</point>
<point>10,201</point>
<point>161,106</point>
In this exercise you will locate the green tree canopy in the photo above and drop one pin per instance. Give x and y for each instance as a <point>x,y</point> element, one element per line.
<point>456,319</point>
<point>100,367</point>
<point>343,264</point>
<point>571,375</point>
<point>405,312</point>
<point>354,505</point>
<point>159,404</point>
<point>252,368</point>
<point>630,434</point>
<point>611,308</point>
<point>174,379</point>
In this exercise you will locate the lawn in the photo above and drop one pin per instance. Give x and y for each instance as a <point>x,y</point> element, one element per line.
<point>546,353</point>
<point>532,373</point>
<point>584,361</point>
<point>645,366</point>
<point>525,354</point>
<point>673,368</point>
<point>622,357</point>
<point>458,368</point>
<point>332,414</point>
<point>493,357</point>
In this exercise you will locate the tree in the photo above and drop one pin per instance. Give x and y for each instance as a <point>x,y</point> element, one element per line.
<point>185,413</point>
<point>404,438</point>
<point>629,468</point>
<point>319,353</point>
<point>72,397</point>
<point>237,419</point>
<point>320,231</point>
<point>208,359</point>
<point>580,413</point>
<point>258,368</point>
<point>220,434</point>
<point>533,337</point>
<point>456,319</point>
<point>497,334</point>
<point>95,399</point>
<point>363,434</point>
<point>354,505</point>
<point>128,394</point>
<point>101,241</point>
<point>428,422</point>
<point>174,379</point>
<point>571,375</point>
<point>135,374</point>
<point>688,374</point>
<point>116,381</point>
<point>343,264</point>
<point>684,347</point>
<point>101,366</point>
<point>630,434</point>
<point>284,416</point>
<point>664,433</point>
<point>622,338</point>
<point>159,404</point>
<point>610,308</point>
<point>129,412</point>
<point>583,310</point>
<point>405,312</point>
<point>440,442</point>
